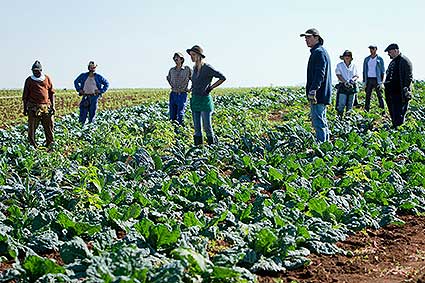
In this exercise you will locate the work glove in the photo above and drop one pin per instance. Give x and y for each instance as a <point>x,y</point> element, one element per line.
<point>312,96</point>
<point>380,86</point>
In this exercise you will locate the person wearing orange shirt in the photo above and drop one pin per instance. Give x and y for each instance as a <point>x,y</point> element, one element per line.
<point>39,104</point>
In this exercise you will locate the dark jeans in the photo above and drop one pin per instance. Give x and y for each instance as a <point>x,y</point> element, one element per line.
<point>33,123</point>
<point>177,106</point>
<point>88,106</point>
<point>396,106</point>
<point>372,84</point>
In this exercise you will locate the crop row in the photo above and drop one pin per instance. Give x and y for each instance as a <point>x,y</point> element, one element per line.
<point>129,199</point>
<point>67,101</point>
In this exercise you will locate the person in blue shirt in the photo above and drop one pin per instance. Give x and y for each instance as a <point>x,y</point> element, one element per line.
<point>90,86</point>
<point>319,83</point>
<point>373,76</point>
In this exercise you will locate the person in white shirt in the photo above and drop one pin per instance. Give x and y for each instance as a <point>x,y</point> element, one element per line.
<point>373,76</point>
<point>347,75</point>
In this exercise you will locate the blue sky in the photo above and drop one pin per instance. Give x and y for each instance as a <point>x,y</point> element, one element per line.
<point>254,43</point>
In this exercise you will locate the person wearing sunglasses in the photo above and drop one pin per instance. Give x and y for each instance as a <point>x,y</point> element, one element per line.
<point>178,77</point>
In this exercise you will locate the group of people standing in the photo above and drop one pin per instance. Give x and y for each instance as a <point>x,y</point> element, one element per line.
<point>397,83</point>
<point>201,102</point>
<point>39,100</point>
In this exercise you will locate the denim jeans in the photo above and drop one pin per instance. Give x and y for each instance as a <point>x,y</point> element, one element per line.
<point>345,101</point>
<point>319,121</point>
<point>206,123</point>
<point>177,106</point>
<point>89,109</point>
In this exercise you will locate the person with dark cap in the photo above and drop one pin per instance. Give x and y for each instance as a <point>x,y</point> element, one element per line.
<point>373,76</point>
<point>201,101</point>
<point>90,85</point>
<point>398,85</point>
<point>319,83</point>
<point>178,77</point>
<point>39,104</point>
<point>346,73</point>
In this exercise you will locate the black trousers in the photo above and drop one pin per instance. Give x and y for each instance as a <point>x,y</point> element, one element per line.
<point>397,106</point>
<point>372,84</point>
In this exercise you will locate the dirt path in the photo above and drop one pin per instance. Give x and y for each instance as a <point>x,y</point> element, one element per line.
<point>392,254</point>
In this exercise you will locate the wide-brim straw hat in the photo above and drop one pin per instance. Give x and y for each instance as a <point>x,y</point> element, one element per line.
<point>197,49</point>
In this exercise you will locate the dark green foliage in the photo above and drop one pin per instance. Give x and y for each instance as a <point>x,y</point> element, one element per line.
<point>130,199</point>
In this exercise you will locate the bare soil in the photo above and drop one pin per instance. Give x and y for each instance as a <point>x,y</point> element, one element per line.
<point>388,255</point>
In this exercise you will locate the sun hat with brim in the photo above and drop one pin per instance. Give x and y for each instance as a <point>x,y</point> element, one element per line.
<point>178,54</point>
<point>313,32</point>
<point>346,53</point>
<point>36,66</point>
<point>391,47</point>
<point>197,49</point>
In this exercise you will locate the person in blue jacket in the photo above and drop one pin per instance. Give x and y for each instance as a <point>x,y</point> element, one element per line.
<point>90,86</point>
<point>319,83</point>
<point>373,76</point>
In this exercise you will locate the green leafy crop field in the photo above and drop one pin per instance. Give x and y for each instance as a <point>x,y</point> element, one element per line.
<point>129,199</point>
<point>67,101</point>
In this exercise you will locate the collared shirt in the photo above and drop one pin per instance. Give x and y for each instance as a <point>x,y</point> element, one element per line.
<point>371,67</point>
<point>90,86</point>
<point>347,72</point>
<point>102,84</point>
<point>179,78</point>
